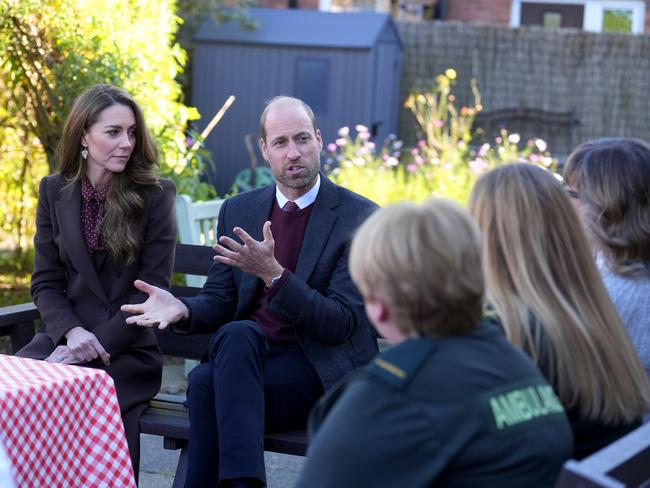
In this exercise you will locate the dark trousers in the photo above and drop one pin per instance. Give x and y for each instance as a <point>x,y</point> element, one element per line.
<point>247,387</point>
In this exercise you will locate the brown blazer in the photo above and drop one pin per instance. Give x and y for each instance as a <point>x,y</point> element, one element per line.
<point>72,288</point>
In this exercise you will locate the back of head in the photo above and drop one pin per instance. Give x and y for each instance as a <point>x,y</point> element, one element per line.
<point>538,265</point>
<point>424,262</point>
<point>612,178</point>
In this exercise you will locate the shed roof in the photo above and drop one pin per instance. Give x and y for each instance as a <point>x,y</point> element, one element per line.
<point>294,27</point>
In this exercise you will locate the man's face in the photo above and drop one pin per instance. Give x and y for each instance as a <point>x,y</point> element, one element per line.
<point>292,148</point>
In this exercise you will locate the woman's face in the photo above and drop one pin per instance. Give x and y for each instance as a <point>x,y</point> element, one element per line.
<point>110,142</point>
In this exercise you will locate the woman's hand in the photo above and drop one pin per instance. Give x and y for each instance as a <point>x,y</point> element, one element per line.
<point>84,346</point>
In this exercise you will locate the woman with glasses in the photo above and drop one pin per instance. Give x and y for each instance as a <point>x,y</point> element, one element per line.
<point>543,284</point>
<point>612,182</point>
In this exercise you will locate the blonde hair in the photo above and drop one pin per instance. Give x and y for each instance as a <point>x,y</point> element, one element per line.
<point>122,226</point>
<point>424,262</point>
<point>612,177</point>
<point>545,287</point>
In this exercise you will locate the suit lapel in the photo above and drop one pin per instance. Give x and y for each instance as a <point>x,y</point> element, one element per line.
<point>318,229</point>
<point>258,213</point>
<point>68,213</point>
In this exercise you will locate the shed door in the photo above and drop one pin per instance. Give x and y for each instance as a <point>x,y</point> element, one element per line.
<point>386,92</point>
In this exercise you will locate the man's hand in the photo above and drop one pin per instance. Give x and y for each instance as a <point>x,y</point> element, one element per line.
<point>84,346</point>
<point>252,257</point>
<point>161,308</point>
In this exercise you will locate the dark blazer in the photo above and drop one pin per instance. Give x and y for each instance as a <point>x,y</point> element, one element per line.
<point>72,288</point>
<point>319,299</point>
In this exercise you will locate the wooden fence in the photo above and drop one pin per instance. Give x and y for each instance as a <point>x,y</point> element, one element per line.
<point>603,78</point>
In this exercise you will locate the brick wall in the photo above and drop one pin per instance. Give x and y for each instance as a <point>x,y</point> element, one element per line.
<point>484,11</point>
<point>303,4</point>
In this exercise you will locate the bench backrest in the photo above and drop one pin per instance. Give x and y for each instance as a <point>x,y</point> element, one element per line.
<point>625,462</point>
<point>195,260</point>
<point>197,224</point>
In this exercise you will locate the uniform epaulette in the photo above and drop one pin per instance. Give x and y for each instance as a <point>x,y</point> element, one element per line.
<point>397,365</point>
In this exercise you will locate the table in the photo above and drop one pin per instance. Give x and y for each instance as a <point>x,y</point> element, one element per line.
<point>60,425</point>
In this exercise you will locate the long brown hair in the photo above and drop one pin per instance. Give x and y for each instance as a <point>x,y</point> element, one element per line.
<point>612,178</point>
<point>545,287</point>
<point>121,227</point>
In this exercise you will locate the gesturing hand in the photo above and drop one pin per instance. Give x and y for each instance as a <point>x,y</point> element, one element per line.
<point>161,308</point>
<point>252,256</point>
<point>84,346</point>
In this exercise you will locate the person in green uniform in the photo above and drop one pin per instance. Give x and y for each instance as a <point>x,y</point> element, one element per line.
<point>452,403</point>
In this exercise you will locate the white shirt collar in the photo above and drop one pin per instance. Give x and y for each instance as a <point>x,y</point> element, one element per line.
<point>302,202</point>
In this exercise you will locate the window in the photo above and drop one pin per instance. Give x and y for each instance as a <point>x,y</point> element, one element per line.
<point>552,19</point>
<point>617,20</point>
<point>591,15</point>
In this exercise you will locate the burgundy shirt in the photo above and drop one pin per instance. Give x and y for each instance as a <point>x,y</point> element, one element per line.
<point>288,232</point>
<point>92,213</point>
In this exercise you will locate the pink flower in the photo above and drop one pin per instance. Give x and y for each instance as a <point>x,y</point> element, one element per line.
<point>341,141</point>
<point>344,131</point>
<point>438,123</point>
<point>411,168</point>
<point>370,145</point>
<point>360,128</point>
<point>419,160</point>
<point>415,151</point>
<point>331,147</point>
<point>483,150</point>
<point>422,143</point>
<point>478,165</point>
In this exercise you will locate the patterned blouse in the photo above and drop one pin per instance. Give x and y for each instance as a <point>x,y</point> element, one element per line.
<point>92,213</point>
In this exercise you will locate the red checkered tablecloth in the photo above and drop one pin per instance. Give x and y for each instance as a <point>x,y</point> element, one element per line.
<point>61,426</point>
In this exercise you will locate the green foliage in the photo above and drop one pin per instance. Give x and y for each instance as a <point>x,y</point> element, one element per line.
<point>445,162</point>
<point>52,50</point>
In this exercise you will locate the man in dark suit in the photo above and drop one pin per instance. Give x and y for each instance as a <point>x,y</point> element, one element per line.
<point>289,321</point>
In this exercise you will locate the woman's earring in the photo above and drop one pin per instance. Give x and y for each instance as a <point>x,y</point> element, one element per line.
<point>84,153</point>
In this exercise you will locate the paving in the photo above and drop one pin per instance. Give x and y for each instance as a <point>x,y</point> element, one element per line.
<point>158,465</point>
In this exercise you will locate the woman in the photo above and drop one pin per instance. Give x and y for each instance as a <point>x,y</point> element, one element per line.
<point>545,288</point>
<point>453,403</point>
<point>104,220</point>
<point>611,178</point>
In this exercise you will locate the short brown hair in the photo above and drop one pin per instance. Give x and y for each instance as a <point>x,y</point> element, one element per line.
<point>285,99</point>
<point>612,177</point>
<point>424,262</point>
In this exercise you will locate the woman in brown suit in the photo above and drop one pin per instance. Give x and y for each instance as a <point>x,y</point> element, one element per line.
<point>103,221</point>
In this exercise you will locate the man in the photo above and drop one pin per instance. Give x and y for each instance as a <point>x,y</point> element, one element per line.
<point>290,321</point>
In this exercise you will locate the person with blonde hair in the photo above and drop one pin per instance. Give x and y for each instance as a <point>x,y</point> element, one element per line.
<point>543,284</point>
<point>453,402</point>
<point>611,178</point>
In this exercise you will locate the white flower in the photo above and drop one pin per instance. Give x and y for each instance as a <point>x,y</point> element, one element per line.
<point>344,131</point>
<point>514,138</point>
<point>541,144</point>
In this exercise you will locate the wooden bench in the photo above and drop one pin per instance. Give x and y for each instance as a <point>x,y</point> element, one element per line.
<point>623,463</point>
<point>528,122</point>
<point>166,415</point>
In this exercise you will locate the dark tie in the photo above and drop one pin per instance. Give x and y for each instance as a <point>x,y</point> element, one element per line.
<point>290,207</point>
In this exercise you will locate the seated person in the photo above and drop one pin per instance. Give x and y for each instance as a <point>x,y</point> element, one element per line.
<point>611,179</point>
<point>543,284</point>
<point>104,220</point>
<point>453,403</point>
